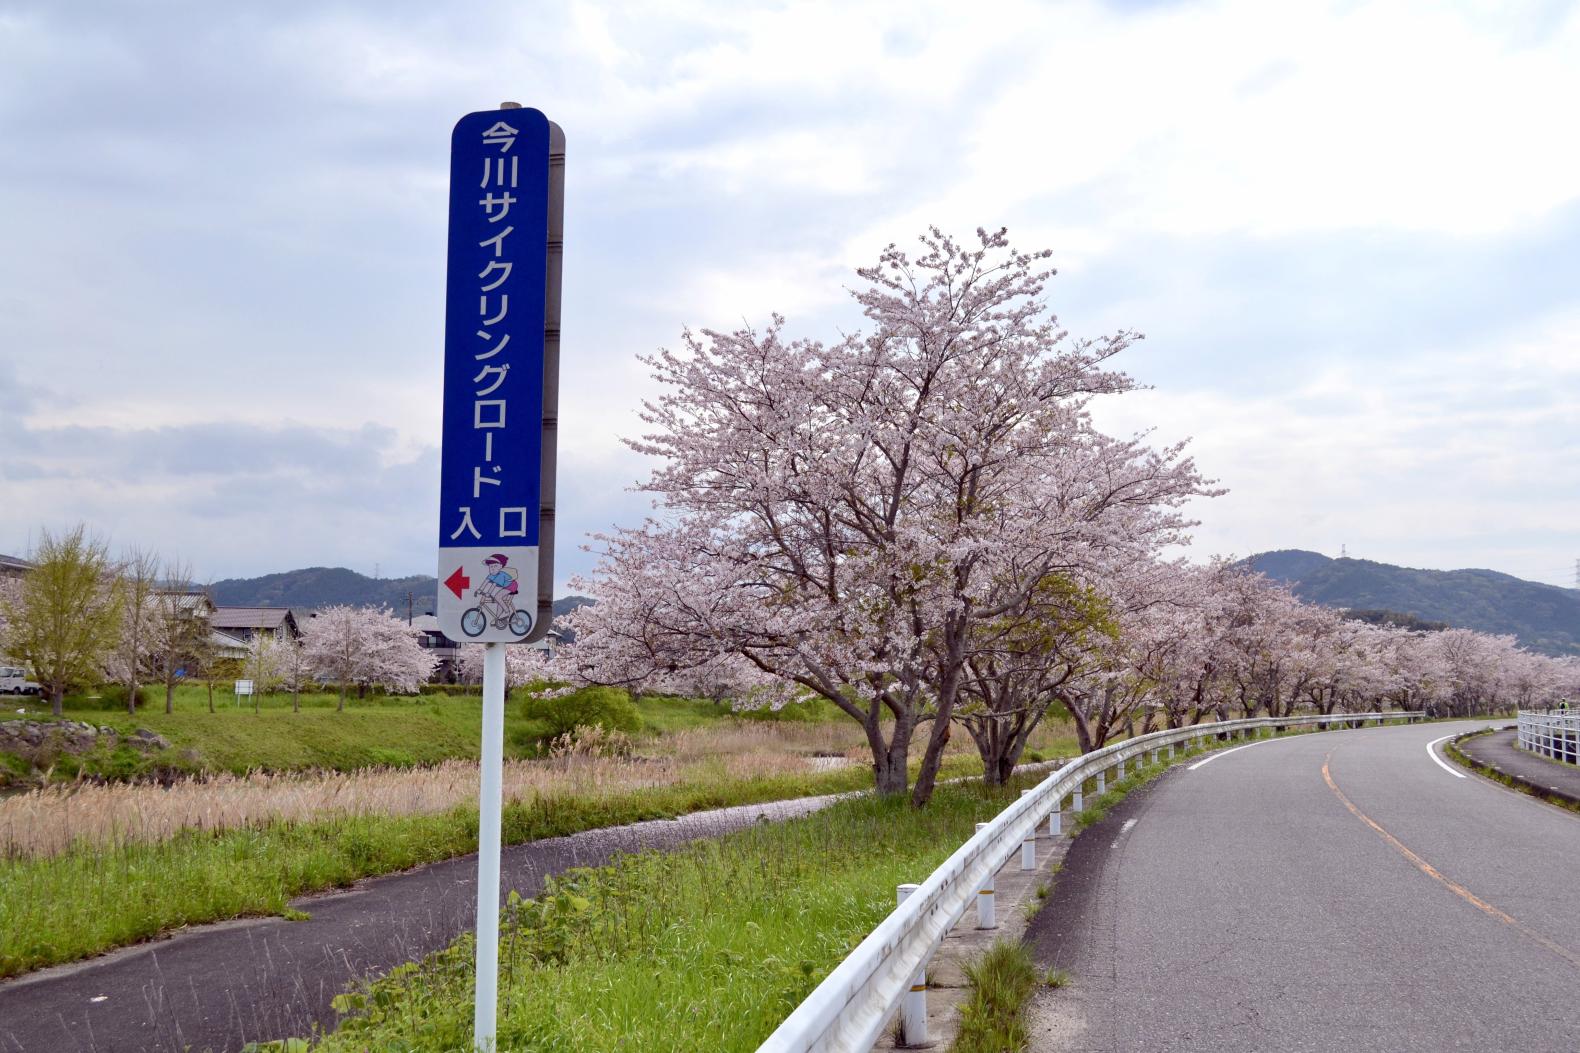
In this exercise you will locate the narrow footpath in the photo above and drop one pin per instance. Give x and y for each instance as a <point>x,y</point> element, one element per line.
<point>1548,777</point>
<point>215,988</point>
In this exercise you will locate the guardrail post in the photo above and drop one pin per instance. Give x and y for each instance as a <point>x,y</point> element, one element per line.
<point>913,1007</point>
<point>1056,819</point>
<point>1102,781</point>
<point>1121,772</point>
<point>1028,845</point>
<point>987,910</point>
<point>1171,751</point>
<point>1075,801</point>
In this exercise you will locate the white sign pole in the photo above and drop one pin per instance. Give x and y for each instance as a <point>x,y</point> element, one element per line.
<point>490,797</point>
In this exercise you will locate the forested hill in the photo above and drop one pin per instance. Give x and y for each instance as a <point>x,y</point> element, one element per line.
<point>315,587</point>
<point>1544,617</point>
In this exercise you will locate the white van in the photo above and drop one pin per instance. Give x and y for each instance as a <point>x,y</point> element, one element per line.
<point>14,681</point>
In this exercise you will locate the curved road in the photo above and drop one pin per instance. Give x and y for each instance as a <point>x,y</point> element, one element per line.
<point>1336,891</point>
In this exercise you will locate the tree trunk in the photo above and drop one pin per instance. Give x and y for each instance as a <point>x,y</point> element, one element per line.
<point>341,708</point>
<point>296,699</point>
<point>210,685</point>
<point>170,693</point>
<point>890,771</point>
<point>57,698</point>
<point>131,697</point>
<point>927,777</point>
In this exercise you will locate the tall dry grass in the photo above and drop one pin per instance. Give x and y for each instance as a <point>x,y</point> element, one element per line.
<point>51,820</point>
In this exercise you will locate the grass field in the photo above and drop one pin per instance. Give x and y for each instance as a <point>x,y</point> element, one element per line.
<point>706,948</point>
<point>378,731</point>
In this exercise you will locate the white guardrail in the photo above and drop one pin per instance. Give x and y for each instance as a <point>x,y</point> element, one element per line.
<point>848,1010</point>
<point>1553,734</point>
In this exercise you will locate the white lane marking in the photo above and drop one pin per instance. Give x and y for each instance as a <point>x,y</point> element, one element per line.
<point>1123,830</point>
<point>1224,753</point>
<point>1430,752</point>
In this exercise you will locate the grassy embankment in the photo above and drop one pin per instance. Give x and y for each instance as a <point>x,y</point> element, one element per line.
<point>706,948</point>
<point>136,872</point>
<point>377,731</point>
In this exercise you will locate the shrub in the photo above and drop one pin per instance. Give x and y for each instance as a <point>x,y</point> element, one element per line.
<point>608,708</point>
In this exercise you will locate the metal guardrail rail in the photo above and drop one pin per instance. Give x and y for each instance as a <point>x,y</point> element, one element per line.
<point>847,1012</point>
<point>1551,733</point>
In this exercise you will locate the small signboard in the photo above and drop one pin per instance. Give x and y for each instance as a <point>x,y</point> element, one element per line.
<point>500,298</point>
<point>243,687</point>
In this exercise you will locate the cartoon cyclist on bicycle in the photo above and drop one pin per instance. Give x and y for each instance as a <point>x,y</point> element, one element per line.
<point>496,597</point>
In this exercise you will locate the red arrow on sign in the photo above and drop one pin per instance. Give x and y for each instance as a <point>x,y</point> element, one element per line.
<point>457,582</point>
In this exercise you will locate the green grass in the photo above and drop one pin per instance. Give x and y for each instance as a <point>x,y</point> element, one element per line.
<point>993,1016</point>
<point>702,949</point>
<point>384,731</point>
<point>132,893</point>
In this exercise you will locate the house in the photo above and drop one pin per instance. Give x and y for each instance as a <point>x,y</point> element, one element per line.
<point>246,622</point>
<point>197,604</point>
<point>12,567</point>
<point>448,651</point>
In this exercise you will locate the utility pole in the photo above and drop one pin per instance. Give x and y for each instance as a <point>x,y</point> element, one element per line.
<point>409,600</point>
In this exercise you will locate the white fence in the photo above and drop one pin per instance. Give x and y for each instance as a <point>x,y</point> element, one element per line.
<point>848,1010</point>
<point>1553,734</point>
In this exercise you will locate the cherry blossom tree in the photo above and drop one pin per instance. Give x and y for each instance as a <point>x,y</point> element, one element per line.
<point>840,515</point>
<point>365,646</point>
<point>523,665</point>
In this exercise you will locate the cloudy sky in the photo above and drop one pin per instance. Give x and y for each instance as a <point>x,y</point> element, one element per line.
<point>1350,232</point>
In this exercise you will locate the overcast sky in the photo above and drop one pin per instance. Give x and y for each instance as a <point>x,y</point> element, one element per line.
<point>1350,233</point>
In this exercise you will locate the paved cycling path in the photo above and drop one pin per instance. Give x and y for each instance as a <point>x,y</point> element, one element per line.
<point>1499,752</point>
<point>221,986</point>
<point>1349,890</point>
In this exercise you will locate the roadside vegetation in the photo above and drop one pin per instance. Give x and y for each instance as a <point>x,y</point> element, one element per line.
<point>379,730</point>
<point>706,948</point>
<point>144,859</point>
<point>993,1017</point>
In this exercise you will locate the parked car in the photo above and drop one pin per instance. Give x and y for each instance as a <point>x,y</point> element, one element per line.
<point>14,681</point>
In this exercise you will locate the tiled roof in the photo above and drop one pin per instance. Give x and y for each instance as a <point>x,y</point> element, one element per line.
<point>249,617</point>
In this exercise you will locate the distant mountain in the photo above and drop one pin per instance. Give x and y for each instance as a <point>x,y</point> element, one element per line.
<point>1544,618</point>
<point>315,587</point>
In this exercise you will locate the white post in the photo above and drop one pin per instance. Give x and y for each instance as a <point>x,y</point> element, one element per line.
<point>1171,751</point>
<point>1028,845</point>
<point>1102,781</point>
<point>485,1017</point>
<point>1056,818</point>
<point>913,1008</point>
<point>987,914</point>
<point>1075,802</point>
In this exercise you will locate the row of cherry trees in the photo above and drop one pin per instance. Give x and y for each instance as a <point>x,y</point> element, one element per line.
<point>922,524</point>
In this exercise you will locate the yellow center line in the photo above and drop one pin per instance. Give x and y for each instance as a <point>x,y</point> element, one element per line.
<point>1436,875</point>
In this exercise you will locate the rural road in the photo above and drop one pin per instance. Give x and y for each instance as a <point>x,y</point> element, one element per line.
<point>1336,891</point>
<point>219,987</point>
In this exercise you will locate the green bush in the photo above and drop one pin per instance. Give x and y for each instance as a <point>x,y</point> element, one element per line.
<point>609,708</point>
<point>107,697</point>
<point>452,690</point>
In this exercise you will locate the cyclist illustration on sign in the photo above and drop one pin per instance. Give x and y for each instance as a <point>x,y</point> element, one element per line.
<point>496,601</point>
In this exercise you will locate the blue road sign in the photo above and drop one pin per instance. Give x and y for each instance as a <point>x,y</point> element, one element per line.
<point>492,454</point>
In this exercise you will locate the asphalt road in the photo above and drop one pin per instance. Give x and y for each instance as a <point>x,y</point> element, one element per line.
<point>221,986</point>
<point>1335,891</point>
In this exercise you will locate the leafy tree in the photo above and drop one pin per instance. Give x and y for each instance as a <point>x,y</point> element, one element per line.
<point>66,622</point>
<point>139,578</point>
<point>180,639</point>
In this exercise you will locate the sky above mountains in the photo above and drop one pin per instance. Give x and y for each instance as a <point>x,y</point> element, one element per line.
<point>1351,233</point>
